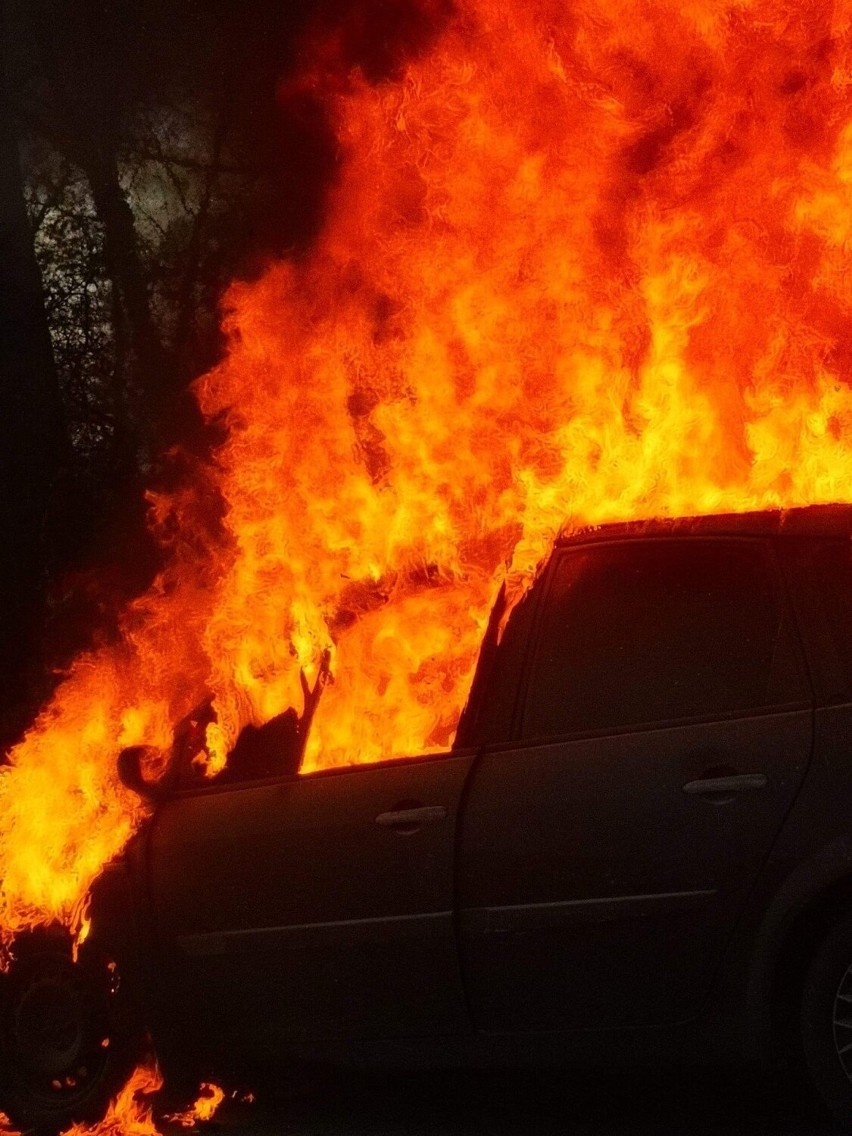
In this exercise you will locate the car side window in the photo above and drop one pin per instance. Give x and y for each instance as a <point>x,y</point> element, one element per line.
<point>635,633</point>
<point>824,570</point>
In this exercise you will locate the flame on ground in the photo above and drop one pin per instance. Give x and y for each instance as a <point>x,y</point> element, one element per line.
<point>203,1109</point>
<point>580,264</point>
<point>130,1114</point>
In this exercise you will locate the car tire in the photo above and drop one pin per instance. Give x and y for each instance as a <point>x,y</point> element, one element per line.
<point>67,1037</point>
<point>826,1021</point>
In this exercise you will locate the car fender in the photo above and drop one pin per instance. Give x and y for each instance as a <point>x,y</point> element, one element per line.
<point>115,926</point>
<point>810,881</point>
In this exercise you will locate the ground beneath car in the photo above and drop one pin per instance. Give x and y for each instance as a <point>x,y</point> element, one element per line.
<point>702,1103</point>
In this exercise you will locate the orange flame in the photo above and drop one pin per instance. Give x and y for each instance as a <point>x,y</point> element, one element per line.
<point>130,1113</point>
<point>205,1107</point>
<point>579,265</point>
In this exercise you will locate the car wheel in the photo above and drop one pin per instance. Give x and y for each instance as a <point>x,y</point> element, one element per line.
<point>66,1044</point>
<point>826,1021</point>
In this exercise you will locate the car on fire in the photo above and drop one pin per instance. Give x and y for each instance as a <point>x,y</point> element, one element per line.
<point>639,847</point>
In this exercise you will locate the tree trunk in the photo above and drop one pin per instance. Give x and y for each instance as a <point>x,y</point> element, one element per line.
<point>149,376</point>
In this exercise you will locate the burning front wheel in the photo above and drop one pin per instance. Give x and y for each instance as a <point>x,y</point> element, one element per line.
<point>65,1042</point>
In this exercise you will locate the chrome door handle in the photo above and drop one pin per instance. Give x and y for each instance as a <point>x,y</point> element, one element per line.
<point>737,783</point>
<point>412,818</point>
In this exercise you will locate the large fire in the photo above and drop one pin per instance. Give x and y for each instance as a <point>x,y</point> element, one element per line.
<point>581,263</point>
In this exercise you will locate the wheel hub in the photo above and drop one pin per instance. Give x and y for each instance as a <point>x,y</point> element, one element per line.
<point>49,1025</point>
<point>58,1029</point>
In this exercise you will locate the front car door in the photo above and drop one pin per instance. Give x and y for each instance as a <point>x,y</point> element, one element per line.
<point>664,727</point>
<point>311,909</point>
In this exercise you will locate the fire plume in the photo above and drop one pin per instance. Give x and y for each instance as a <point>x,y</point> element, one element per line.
<point>580,264</point>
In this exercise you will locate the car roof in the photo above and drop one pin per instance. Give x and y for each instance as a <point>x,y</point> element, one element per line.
<point>809,521</point>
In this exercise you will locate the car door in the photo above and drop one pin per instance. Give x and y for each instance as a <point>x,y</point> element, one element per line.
<point>665,727</point>
<point>312,908</point>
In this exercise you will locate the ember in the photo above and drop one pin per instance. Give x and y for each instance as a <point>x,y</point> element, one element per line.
<point>577,267</point>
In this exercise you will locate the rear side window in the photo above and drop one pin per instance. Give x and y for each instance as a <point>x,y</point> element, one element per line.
<point>825,574</point>
<point>647,632</point>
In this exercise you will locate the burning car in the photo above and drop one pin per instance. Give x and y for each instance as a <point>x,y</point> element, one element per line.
<point>638,845</point>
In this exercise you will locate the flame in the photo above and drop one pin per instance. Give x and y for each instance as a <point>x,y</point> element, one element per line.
<point>205,1107</point>
<point>130,1113</point>
<point>578,265</point>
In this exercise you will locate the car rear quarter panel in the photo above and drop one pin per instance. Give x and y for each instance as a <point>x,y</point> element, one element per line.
<point>805,886</point>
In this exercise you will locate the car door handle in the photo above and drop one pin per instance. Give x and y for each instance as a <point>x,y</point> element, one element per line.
<point>412,818</point>
<point>736,783</point>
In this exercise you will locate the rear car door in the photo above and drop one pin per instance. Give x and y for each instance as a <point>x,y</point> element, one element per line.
<point>311,908</point>
<point>665,728</point>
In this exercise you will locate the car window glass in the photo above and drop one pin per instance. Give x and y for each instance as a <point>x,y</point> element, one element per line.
<point>826,568</point>
<point>645,632</point>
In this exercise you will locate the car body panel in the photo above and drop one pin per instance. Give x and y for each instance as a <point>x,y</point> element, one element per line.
<point>287,908</point>
<point>594,891</point>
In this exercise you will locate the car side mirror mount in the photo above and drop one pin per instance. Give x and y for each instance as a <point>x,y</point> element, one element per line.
<point>147,771</point>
